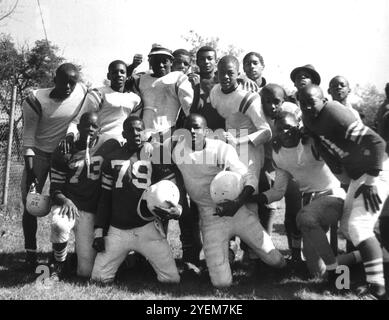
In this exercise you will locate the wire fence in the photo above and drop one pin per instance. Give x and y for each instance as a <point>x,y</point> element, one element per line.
<point>16,161</point>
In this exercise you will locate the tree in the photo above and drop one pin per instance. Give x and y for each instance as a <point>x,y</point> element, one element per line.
<point>196,41</point>
<point>369,101</point>
<point>27,69</point>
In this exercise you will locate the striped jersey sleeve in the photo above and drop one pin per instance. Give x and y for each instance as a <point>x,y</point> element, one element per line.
<point>251,106</point>
<point>32,112</point>
<point>185,93</point>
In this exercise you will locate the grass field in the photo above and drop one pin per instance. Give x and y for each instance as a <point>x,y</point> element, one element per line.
<point>15,283</point>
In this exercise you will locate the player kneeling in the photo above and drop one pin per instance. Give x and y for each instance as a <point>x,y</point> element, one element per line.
<point>132,209</point>
<point>75,189</point>
<point>201,161</point>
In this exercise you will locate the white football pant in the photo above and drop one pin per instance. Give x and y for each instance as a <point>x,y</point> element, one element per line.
<point>83,227</point>
<point>217,232</point>
<point>148,240</point>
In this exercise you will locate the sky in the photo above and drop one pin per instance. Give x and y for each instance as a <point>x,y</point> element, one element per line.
<point>346,37</point>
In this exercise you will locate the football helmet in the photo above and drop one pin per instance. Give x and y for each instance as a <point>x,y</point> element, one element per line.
<point>159,193</point>
<point>37,204</point>
<point>226,185</point>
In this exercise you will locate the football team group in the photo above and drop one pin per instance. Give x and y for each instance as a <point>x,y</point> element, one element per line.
<point>217,150</point>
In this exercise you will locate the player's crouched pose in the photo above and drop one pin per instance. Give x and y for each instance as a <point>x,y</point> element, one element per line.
<point>200,159</point>
<point>123,210</point>
<point>75,189</point>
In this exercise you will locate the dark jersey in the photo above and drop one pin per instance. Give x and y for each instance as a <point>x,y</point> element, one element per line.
<point>125,177</point>
<point>71,175</point>
<point>344,142</point>
<point>204,107</point>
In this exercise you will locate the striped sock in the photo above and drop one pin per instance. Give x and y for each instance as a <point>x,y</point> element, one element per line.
<point>371,254</point>
<point>332,267</point>
<point>60,251</point>
<point>374,271</point>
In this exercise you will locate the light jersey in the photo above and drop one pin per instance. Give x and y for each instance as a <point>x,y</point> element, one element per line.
<point>198,168</point>
<point>285,107</point>
<point>46,120</point>
<point>124,179</point>
<point>304,165</point>
<point>242,111</point>
<point>163,97</point>
<point>112,107</point>
<point>69,174</point>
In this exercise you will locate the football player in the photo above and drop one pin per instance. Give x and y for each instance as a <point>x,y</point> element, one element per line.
<point>123,223</point>
<point>112,104</point>
<point>75,189</point>
<point>322,196</point>
<point>47,114</point>
<point>356,154</point>
<point>339,89</point>
<point>200,159</point>
<point>246,123</point>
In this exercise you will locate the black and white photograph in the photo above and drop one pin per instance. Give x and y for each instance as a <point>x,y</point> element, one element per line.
<point>194,155</point>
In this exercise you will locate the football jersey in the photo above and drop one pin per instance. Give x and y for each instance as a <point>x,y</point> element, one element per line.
<point>71,175</point>
<point>198,168</point>
<point>304,165</point>
<point>242,111</point>
<point>46,120</point>
<point>163,97</point>
<point>112,107</point>
<point>344,142</point>
<point>125,176</point>
<point>204,108</point>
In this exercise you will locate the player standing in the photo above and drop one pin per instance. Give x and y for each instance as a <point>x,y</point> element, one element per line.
<point>47,114</point>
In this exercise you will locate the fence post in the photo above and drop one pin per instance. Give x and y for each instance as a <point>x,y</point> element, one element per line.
<point>9,147</point>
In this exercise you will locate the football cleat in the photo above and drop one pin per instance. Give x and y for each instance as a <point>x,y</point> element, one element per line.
<point>226,185</point>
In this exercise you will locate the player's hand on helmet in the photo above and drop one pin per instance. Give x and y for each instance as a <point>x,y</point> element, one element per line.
<point>31,179</point>
<point>227,208</point>
<point>69,208</point>
<point>194,79</point>
<point>370,196</point>
<point>174,212</point>
<point>66,144</point>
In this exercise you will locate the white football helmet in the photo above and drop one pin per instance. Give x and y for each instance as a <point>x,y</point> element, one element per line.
<point>61,224</point>
<point>159,193</point>
<point>226,185</point>
<point>37,204</point>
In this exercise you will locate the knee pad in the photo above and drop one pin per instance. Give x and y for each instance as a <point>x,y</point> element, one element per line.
<point>358,233</point>
<point>60,226</point>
